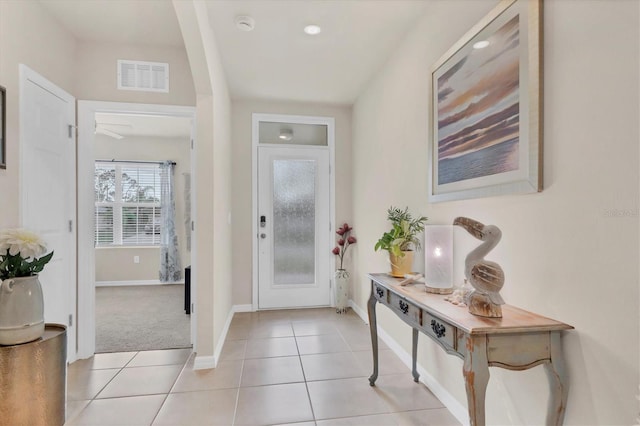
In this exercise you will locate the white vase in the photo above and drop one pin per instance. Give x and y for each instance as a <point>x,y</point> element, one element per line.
<point>342,290</point>
<point>21,310</point>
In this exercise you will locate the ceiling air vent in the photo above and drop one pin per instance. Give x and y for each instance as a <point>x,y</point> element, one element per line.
<point>143,76</point>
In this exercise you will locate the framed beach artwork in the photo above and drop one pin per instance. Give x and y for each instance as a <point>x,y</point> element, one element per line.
<point>485,115</point>
<point>3,128</point>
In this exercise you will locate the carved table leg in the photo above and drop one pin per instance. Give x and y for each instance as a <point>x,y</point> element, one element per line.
<point>558,386</point>
<point>414,356</point>
<point>476,377</point>
<point>371,308</point>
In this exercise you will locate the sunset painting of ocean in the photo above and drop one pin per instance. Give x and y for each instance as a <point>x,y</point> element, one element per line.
<point>478,110</point>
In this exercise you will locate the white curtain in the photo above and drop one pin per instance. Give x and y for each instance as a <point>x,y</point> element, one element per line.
<point>187,208</point>
<point>170,266</point>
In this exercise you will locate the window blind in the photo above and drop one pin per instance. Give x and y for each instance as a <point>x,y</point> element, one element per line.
<point>127,204</point>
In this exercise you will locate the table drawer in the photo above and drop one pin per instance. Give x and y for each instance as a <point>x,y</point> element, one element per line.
<point>405,309</point>
<point>380,293</point>
<point>439,330</point>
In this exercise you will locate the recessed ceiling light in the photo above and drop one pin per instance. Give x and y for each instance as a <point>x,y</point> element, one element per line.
<point>480,44</point>
<point>245,23</point>
<point>312,29</point>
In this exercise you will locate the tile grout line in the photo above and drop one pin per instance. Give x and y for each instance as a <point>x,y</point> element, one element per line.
<point>110,380</point>
<point>101,389</point>
<point>120,370</point>
<point>244,354</point>
<point>235,409</point>
<point>304,376</point>
<point>166,396</point>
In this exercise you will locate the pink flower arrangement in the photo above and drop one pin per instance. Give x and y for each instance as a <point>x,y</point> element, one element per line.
<point>344,241</point>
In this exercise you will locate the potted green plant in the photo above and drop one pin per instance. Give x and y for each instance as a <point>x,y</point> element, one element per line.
<point>401,240</point>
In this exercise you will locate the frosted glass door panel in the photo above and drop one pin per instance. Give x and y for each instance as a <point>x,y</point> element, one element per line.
<point>294,239</point>
<point>294,219</point>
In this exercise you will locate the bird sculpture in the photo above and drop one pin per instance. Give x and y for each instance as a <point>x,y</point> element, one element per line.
<point>486,277</point>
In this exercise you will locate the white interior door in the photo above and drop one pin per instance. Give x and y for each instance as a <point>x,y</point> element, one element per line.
<point>48,190</point>
<point>293,229</point>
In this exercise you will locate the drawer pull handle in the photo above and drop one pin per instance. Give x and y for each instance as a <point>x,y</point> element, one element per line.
<point>438,329</point>
<point>404,307</point>
<point>380,292</point>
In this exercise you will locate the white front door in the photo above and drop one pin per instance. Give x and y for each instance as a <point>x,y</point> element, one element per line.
<point>293,230</point>
<point>48,191</point>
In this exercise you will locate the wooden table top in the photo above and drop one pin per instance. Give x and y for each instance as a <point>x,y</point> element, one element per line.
<point>514,320</point>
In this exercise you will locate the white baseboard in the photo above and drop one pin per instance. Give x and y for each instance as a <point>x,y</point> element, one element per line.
<point>223,336</point>
<point>243,308</point>
<point>204,362</point>
<point>132,282</point>
<point>358,310</point>
<point>225,330</point>
<point>452,404</point>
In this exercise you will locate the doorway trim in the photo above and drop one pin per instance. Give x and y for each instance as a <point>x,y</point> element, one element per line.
<point>256,118</point>
<point>86,253</point>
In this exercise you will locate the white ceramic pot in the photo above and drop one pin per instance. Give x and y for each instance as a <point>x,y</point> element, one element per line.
<point>342,290</point>
<point>21,310</point>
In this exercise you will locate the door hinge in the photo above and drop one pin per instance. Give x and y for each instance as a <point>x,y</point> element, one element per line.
<point>191,143</point>
<point>330,283</point>
<point>70,320</point>
<point>71,129</point>
<point>70,225</point>
<point>193,307</point>
<point>193,226</point>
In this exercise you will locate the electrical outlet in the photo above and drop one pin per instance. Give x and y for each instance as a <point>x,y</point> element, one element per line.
<point>136,259</point>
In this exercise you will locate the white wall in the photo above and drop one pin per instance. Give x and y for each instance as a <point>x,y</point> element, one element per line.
<point>241,177</point>
<point>96,77</point>
<point>50,52</point>
<point>212,267</point>
<point>570,252</point>
<point>116,263</point>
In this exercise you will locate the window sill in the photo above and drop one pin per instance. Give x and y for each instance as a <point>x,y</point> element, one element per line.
<point>127,247</point>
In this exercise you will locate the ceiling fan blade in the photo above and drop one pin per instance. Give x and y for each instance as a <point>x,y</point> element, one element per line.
<point>114,124</point>
<point>102,131</point>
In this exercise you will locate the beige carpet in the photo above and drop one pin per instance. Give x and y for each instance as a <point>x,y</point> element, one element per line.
<point>140,318</point>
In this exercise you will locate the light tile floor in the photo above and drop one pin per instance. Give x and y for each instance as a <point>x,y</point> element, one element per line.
<point>302,367</point>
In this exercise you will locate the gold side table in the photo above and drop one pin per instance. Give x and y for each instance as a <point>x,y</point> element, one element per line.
<point>33,379</point>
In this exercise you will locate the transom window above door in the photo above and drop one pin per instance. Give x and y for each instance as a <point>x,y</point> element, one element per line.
<point>127,204</point>
<point>292,133</point>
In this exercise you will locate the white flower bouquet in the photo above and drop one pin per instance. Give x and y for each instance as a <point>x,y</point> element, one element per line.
<point>19,253</point>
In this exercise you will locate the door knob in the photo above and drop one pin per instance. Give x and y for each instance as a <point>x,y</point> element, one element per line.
<point>263,235</point>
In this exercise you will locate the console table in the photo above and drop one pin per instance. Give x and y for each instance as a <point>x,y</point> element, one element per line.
<point>517,341</point>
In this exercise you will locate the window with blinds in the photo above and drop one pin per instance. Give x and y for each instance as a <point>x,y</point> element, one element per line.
<point>127,204</point>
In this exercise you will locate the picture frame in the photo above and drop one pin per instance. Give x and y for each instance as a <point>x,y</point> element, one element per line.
<point>3,128</point>
<point>486,108</point>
